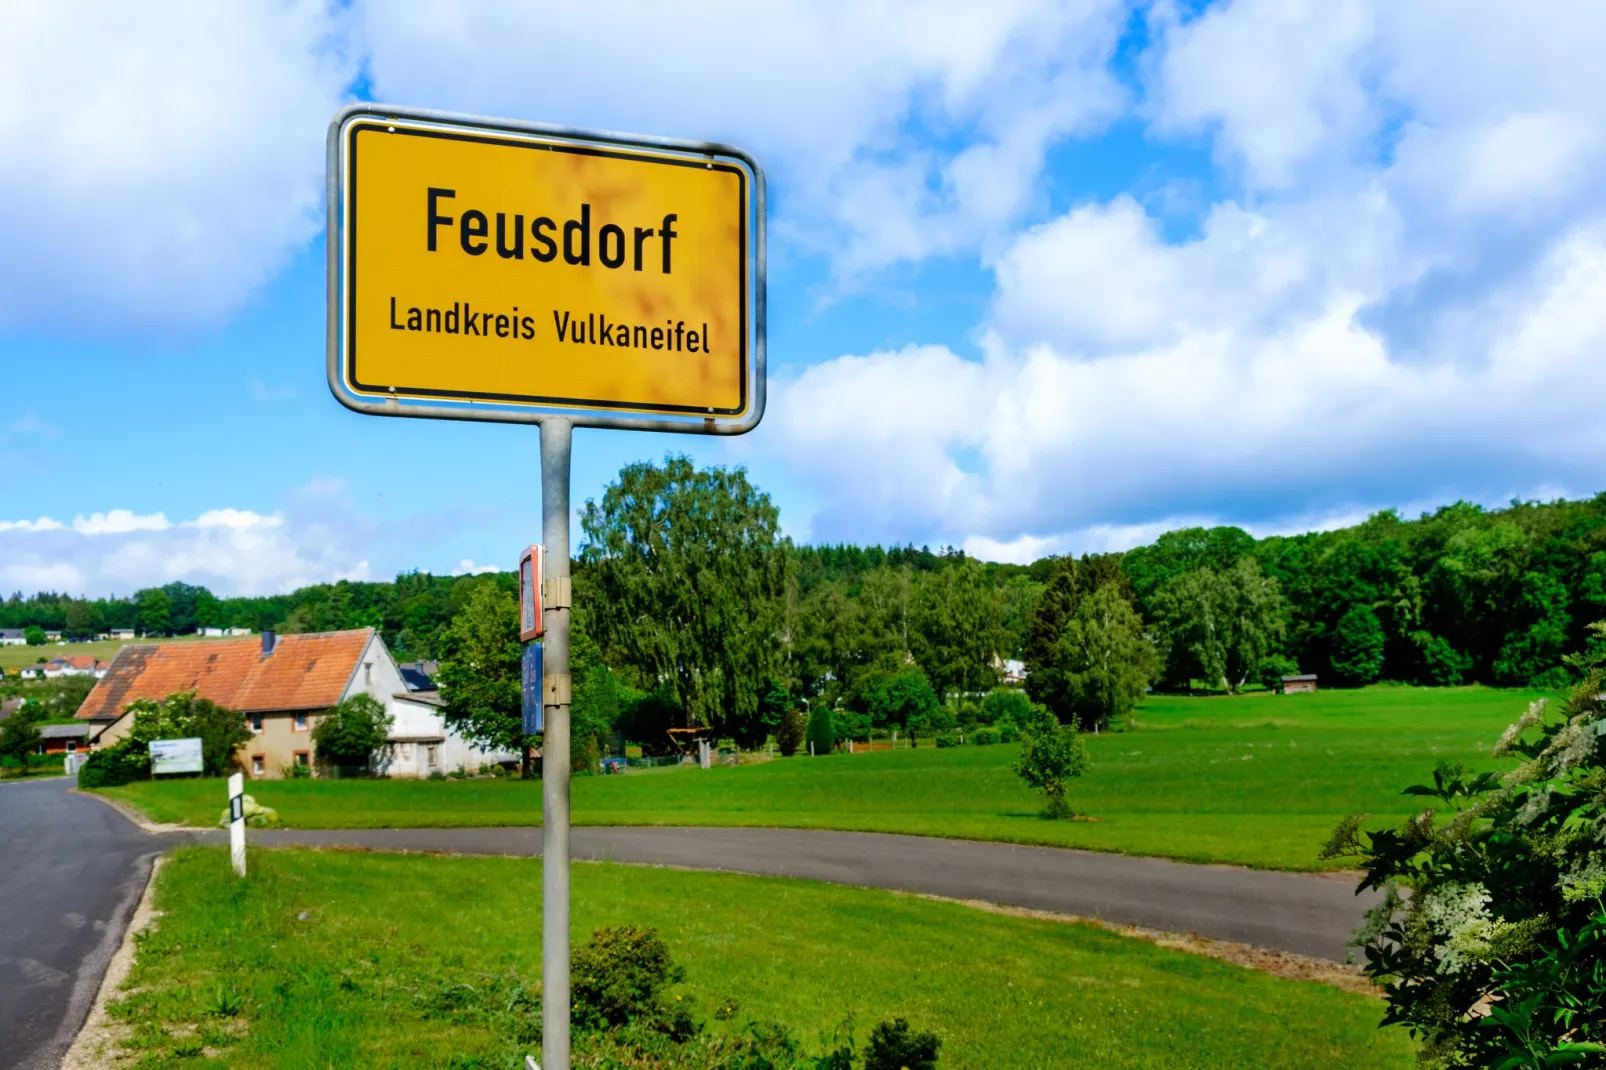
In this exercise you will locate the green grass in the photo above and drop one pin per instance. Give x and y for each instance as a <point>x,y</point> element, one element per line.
<point>15,657</point>
<point>1255,780</point>
<point>344,959</point>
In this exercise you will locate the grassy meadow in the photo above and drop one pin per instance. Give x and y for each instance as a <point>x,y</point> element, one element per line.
<point>343,959</point>
<point>15,657</point>
<point>1257,780</point>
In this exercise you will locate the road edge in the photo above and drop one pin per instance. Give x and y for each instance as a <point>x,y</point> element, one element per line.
<point>88,1049</point>
<point>135,815</point>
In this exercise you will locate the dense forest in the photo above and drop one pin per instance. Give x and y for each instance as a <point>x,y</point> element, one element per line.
<point>1462,594</point>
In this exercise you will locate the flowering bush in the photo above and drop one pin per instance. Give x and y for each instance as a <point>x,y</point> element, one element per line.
<point>1490,938</point>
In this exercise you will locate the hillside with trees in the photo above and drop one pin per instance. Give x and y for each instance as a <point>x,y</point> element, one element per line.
<point>687,592</point>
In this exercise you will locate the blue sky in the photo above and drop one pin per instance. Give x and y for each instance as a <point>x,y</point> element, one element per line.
<point>1044,276</point>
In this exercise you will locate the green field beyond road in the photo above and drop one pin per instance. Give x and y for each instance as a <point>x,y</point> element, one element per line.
<point>1257,780</point>
<point>335,959</point>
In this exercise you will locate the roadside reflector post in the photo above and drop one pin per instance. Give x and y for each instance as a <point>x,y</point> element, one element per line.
<point>237,823</point>
<point>556,437</point>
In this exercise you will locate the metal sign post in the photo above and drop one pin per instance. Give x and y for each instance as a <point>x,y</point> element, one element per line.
<point>555,442</point>
<point>490,269</point>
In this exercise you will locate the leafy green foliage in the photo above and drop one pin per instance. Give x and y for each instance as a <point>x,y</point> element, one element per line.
<point>620,977</point>
<point>1497,955</point>
<point>894,1045</point>
<point>1050,757</point>
<point>897,699</point>
<point>685,581</point>
<point>1358,647</point>
<point>34,635</point>
<point>822,733</point>
<point>184,716</point>
<point>793,731</point>
<point>1218,624</point>
<point>19,735</point>
<point>480,676</point>
<point>113,766</point>
<point>350,733</point>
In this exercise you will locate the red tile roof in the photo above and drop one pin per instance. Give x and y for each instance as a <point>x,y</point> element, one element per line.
<point>304,672</point>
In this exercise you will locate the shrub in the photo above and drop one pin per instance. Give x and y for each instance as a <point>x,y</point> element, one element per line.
<point>182,715</point>
<point>1049,760</point>
<point>1007,732</point>
<point>948,739</point>
<point>894,1045</point>
<point>1006,704</point>
<point>620,977</point>
<point>122,763</point>
<point>1497,954</point>
<point>846,724</point>
<point>938,721</point>
<point>985,736</point>
<point>1273,667</point>
<point>822,735</point>
<point>349,734</point>
<point>789,737</point>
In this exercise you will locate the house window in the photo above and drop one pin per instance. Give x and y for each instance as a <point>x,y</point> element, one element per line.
<point>256,722</point>
<point>258,765</point>
<point>301,758</point>
<point>367,672</point>
<point>301,722</point>
<point>432,755</point>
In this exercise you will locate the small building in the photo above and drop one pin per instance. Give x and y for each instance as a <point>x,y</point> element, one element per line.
<point>52,637</point>
<point>121,634</point>
<point>1300,684</point>
<point>36,671</point>
<point>63,738</point>
<point>80,665</point>
<point>13,637</point>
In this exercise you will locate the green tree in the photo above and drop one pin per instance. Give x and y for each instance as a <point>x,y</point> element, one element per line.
<point>1219,625</point>
<point>19,737</point>
<point>1050,759</point>
<point>793,731</point>
<point>34,635</point>
<point>687,576</point>
<point>350,733</point>
<point>1006,704</point>
<point>1106,660</point>
<point>481,677</point>
<point>896,700</point>
<point>822,733</point>
<point>155,611</point>
<point>1358,647</point>
<point>958,628</point>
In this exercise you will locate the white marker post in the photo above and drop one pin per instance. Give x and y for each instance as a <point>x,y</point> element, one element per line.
<point>237,823</point>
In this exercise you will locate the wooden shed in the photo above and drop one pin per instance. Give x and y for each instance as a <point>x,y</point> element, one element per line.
<point>1297,685</point>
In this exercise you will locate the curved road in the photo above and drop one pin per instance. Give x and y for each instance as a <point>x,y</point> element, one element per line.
<point>71,873</point>
<point>1303,913</point>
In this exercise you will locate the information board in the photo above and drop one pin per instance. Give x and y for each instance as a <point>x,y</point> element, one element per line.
<point>175,756</point>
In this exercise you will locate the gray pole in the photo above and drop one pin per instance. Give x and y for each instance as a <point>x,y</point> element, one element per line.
<point>555,439</point>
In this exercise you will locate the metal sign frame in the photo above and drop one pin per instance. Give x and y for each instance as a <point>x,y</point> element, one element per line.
<point>530,412</point>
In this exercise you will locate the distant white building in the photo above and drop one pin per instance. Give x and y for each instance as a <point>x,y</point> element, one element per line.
<point>13,637</point>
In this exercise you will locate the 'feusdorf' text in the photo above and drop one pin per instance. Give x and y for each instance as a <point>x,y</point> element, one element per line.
<point>613,246</point>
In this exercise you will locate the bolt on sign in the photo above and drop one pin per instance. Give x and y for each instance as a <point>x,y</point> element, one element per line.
<point>495,270</point>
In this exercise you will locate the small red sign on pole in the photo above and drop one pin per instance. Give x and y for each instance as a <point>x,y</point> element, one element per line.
<point>530,594</point>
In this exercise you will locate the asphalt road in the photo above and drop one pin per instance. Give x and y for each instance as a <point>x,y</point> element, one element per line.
<point>1303,913</point>
<point>71,872</point>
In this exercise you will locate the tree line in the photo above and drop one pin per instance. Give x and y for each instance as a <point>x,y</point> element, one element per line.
<point>695,607</point>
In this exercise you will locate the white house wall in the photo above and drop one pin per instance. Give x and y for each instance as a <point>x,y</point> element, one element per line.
<point>378,675</point>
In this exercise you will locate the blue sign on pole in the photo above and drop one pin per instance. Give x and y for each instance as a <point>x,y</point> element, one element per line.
<point>533,720</point>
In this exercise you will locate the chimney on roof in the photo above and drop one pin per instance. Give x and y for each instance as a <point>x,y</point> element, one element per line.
<point>269,640</point>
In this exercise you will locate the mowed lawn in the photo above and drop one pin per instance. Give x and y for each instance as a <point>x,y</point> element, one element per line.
<point>344,959</point>
<point>1257,780</point>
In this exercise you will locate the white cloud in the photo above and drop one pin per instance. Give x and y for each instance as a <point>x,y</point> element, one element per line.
<point>162,159</point>
<point>315,539</point>
<point>846,103</point>
<point>466,567</point>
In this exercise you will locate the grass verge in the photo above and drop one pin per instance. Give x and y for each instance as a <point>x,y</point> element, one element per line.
<point>345,959</point>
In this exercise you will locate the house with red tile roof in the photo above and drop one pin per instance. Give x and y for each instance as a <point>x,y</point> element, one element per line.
<point>282,686</point>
